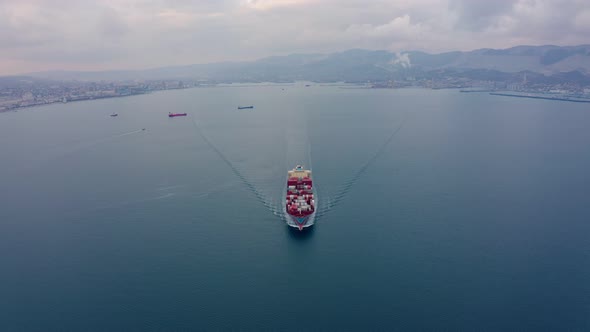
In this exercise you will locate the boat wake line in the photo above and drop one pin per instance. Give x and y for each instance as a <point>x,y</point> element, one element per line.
<point>346,187</point>
<point>90,144</point>
<point>73,148</point>
<point>261,198</point>
<point>327,203</point>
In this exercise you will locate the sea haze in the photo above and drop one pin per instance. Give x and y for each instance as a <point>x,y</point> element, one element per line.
<point>439,210</point>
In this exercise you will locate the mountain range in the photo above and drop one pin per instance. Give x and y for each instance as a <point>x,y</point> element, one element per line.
<point>549,62</point>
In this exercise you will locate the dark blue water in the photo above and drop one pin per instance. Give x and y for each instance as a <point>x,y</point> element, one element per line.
<point>439,211</point>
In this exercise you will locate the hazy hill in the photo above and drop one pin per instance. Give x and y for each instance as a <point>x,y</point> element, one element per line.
<point>541,59</point>
<point>364,65</point>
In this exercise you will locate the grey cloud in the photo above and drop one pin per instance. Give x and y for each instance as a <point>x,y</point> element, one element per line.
<point>111,34</point>
<point>112,24</point>
<point>478,15</point>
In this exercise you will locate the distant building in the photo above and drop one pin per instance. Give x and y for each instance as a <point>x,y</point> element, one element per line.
<point>28,96</point>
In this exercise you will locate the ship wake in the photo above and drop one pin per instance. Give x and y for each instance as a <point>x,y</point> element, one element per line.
<point>333,201</point>
<point>271,204</point>
<point>269,185</point>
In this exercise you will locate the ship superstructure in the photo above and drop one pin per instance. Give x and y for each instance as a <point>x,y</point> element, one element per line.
<point>300,202</point>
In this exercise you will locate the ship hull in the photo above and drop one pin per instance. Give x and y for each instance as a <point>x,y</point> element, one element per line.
<point>299,222</point>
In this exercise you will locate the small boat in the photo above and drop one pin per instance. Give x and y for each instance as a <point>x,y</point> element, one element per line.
<point>171,115</point>
<point>245,107</point>
<point>114,114</point>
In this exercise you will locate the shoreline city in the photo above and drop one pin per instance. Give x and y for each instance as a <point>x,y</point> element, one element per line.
<point>44,92</point>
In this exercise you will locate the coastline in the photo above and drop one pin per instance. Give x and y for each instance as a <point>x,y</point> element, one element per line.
<point>491,92</point>
<point>556,98</point>
<point>17,108</point>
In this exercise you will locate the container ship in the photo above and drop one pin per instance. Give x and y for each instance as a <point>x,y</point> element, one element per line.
<point>300,203</point>
<point>172,115</point>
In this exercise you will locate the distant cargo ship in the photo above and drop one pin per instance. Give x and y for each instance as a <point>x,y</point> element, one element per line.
<point>114,114</point>
<point>244,107</point>
<point>171,115</point>
<point>301,202</point>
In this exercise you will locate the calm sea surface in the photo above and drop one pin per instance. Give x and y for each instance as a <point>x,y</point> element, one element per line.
<point>438,210</point>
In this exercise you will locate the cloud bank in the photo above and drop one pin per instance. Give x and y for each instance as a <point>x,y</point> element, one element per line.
<point>132,34</point>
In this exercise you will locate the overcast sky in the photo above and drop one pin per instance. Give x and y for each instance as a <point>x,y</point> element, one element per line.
<point>40,35</point>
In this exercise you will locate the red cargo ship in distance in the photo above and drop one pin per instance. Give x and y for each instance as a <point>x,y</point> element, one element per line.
<point>171,115</point>
<point>301,201</point>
